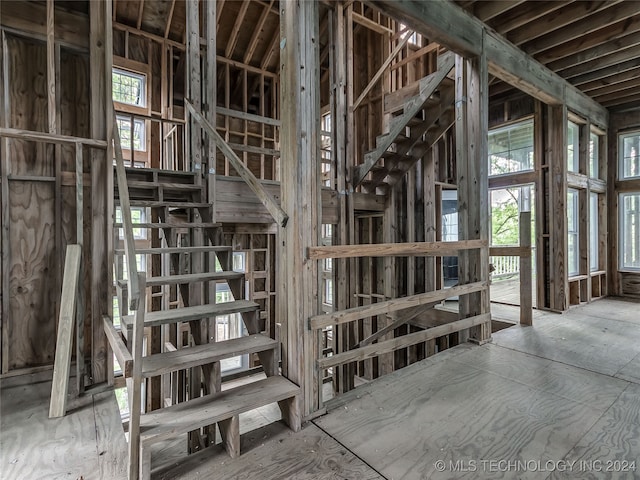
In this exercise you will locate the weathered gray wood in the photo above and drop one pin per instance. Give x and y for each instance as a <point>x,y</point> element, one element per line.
<point>446,23</point>
<point>51,138</point>
<point>134,383</point>
<point>401,44</point>
<point>394,344</point>
<point>389,306</point>
<point>129,243</point>
<point>120,350</point>
<point>300,164</point>
<point>183,358</point>
<point>64,344</point>
<point>267,200</point>
<point>394,249</point>
<point>183,417</point>
<point>154,319</point>
<point>526,277</point>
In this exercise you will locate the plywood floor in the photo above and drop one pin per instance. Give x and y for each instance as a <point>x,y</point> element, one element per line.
<point>563,394</point>
<point>86,444</point>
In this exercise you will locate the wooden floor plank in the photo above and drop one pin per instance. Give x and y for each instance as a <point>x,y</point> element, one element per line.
<point>274,453</point>
<point>111,442</point>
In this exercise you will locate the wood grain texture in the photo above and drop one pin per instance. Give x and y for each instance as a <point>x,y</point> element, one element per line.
<point>274,453</point>
<point>394,249</point>
<point>542,419</point>
<point>66,324</point>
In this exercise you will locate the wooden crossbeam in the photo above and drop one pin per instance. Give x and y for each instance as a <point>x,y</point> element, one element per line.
<point>438,249</point>
<point>404,341</point>
<point>394,305</point>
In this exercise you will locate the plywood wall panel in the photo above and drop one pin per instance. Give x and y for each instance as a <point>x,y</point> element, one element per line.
<point>31,268</point>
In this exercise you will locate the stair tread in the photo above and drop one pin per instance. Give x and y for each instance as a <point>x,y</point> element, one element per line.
<point>188,278</point>
<point>159,250</point>
<point>167,185</point>
<point>168,203</point>
<point>161,363</point>
<point>171,225</point>
<point>186,314</point>
<point>199,412</point>
<point>176,173</point>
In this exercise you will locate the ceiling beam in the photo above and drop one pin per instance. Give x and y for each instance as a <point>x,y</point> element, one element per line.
<point>451,26</point>
<point>602,35</point>
<point>233,38</point>
<point>606,72</point>
<point>614,13</point>
<point>631,40</point>
<point>140,11</point>
<point>616,87</point>
<point>599,63</point>
<point>523,15</point>
<point>615,100</point>
<point>253,43</point>
<point>568,14</point>
<point>612,80</point>
<point>487,10</point>
<point>167,27</point>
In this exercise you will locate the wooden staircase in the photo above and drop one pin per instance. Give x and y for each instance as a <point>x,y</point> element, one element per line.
<point>180,213</point>
<point>423,113</point>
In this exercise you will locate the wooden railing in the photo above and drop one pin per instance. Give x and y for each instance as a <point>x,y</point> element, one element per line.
<point>133,287</point>
<point>267,200</point>
<point>402,309</point>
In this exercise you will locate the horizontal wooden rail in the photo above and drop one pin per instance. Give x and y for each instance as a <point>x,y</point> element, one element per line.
<point>404,341</point>
<point>50,138</point>
<point>267,200</point>
<point>394,305</point>
<point>510,251</point>
<point>412,249</point>
<point>125,360</point>
<point>247,116</point>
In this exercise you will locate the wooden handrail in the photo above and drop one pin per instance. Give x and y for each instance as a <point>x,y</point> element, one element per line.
<point>267,200</point>
<point>50,138</point>
<point>133,286</point>
<point>409,249</point>
<point>394,305</point>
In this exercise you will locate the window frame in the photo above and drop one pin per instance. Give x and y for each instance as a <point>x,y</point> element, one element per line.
<point>573,196</point>
<point>522,122</point>
<point>621,137</point>
<point>621,230</point>
<point>573,164</point>
<point>137,69</point>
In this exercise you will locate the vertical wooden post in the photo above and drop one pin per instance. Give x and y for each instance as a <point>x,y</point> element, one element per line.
<point>80,242</point>
<point>526,287</point>
<point>472,179</point>
<point>211,99</point>
<point>558,245</point>
<point>5,170</point>
<point>101,182</point>
<point>300,154</point>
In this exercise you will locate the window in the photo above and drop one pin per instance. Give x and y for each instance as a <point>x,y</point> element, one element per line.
<point>594,152</point>
<point>629,149</point>
<point>573,233</point>
<point>328,292</point>
<point>630,231</point>
<point>124,128</point>
<point>593,232</point>
<point>129,87</point>
<point>138,215</point>
<point>573,149</point>
<point>511,148</point>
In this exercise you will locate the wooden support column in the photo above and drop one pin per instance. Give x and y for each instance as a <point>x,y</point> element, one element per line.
<point>472,180</point>
<point>300,154</point>
<point>558,245</point>
<point>526,287</point>
<point>101,183</point>
<point>341,235</point>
